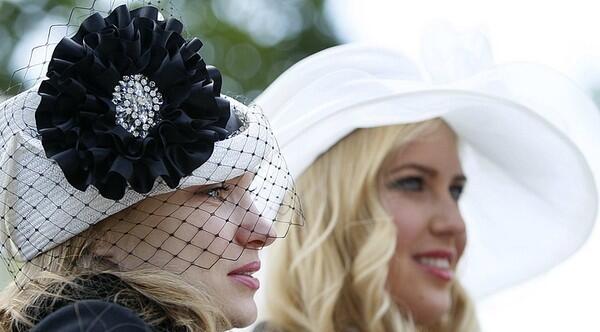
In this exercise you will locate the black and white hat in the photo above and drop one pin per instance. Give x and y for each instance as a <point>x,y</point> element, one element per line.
<point>127,110</point>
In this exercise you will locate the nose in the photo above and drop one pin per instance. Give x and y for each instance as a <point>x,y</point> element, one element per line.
<point>447,219</point>
<point>255,231</point>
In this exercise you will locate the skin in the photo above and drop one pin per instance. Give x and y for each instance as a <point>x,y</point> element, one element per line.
<point>420,190</point>
<point>199,233</point>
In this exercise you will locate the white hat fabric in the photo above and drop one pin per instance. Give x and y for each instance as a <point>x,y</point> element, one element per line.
<point>531,200</point>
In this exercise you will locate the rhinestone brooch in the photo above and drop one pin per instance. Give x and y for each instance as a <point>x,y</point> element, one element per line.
<point>138,103</point>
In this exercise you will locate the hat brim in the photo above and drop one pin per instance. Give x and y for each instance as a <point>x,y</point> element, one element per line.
<point>531,200</point>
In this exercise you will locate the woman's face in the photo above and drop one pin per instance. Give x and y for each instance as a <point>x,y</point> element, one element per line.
<point>420,190</point>
<point>199,233</point>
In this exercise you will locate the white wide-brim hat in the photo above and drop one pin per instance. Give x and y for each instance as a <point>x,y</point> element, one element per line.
<point>531,198</point>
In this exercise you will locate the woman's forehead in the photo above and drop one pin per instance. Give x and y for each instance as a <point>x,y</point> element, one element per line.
<point>436,148</point>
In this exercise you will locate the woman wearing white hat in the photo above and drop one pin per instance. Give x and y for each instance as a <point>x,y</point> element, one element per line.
<point>133,195</point>
<point>382,154</point>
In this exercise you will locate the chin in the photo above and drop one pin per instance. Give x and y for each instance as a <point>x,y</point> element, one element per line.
<point>432,311</point>
<point>243,313</point>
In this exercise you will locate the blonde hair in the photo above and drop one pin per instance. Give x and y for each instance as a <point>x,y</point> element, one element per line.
<point>332,275</point>
<point>159,297</point>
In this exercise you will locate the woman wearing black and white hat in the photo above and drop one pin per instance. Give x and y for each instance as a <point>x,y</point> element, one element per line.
<point>382,150</point>
<point>134,195</point>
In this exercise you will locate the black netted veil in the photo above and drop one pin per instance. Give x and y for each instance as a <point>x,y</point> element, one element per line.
<point>119,136</point>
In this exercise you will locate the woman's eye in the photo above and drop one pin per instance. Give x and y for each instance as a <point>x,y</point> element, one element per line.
<point>409,184</point>
<point>219,193</point>
<point>456,191</point>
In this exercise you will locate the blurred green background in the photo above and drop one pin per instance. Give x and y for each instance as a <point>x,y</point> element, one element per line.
<point>251,42</point>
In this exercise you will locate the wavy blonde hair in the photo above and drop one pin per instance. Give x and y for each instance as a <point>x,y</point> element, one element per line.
<point>332,275</point>
<point>159,297</point>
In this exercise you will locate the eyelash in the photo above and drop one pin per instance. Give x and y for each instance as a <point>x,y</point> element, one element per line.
<point>415,184</point>
<point>459,189</point>
<point>216,192</point>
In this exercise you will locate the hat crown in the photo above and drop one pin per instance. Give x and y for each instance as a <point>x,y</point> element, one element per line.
<point>450,55</point>
<point>334,79</point>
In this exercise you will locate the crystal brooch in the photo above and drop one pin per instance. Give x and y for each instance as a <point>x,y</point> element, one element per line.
<point>137,103</point>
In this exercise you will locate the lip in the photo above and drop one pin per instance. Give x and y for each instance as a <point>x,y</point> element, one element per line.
<point>442,274</point>
<point>242,275</point>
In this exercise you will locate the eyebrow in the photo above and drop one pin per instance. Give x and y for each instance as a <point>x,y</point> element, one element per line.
<point>427,170</point>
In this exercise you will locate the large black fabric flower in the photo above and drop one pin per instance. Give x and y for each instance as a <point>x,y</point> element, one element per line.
<point>82,118</point>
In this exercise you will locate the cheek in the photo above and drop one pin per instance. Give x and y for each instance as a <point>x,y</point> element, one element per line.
<point>410,222</point>
<point>411,225</point>
<point>210,280</point>
<point>409,213</point>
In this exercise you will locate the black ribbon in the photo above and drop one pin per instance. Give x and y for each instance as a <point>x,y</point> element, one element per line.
<point>76,118</point>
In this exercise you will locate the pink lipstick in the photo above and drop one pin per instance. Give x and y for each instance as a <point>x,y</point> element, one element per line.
<point>243,275</point>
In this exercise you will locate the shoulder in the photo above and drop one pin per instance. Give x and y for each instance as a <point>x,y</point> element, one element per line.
<point>92,316</point>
